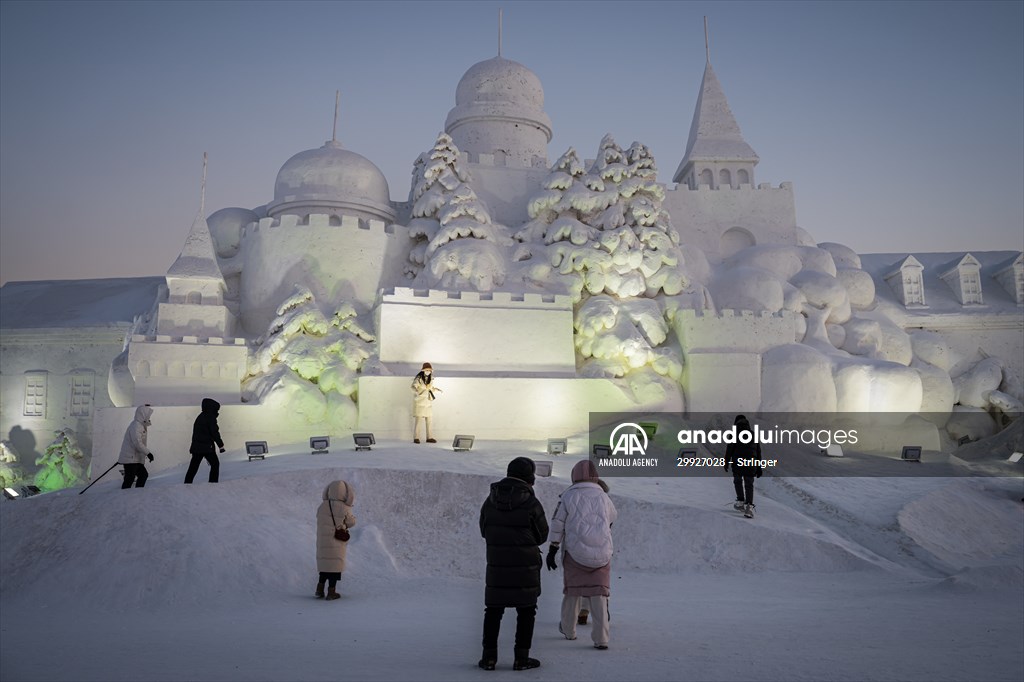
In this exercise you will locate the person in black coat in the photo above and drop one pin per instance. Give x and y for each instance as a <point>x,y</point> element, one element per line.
<point>513,523</point>
<point>743,476</point>
<point>205,434</point>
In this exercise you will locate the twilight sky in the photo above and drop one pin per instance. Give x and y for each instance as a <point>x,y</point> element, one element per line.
<point>900,124</point>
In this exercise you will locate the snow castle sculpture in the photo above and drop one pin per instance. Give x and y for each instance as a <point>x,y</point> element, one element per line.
<point>543,291</point>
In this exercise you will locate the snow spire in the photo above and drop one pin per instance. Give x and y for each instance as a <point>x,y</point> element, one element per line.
<point>715,140</point>
<point>202,189</point>
<point>707,47</point>
<point>499,31</point>
<point>334,130</point>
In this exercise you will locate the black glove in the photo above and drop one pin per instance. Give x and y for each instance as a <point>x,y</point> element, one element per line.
<point>150,457</point>
<point>552,551</point>
<point>222,450</point>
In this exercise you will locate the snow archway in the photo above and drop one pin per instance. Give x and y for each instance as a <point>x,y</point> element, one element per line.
<point>734,240</point>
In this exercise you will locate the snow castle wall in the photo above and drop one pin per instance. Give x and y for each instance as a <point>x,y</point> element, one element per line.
<point>473,332</point>
<point>718,221</point>
<point>504,184</point>
<point>339,258</point>
<point>491,407</point>
<point>722,356</point>
<point>173,370</point>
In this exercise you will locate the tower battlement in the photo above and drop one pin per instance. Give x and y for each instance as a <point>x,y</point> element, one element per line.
<point>315,220</point>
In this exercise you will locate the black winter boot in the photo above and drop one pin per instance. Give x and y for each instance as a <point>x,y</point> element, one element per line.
<point>489,659</point>
<point>319,590</point>
<point>523,660</point>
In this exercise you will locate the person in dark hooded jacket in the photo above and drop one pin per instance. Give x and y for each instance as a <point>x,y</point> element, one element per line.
<point>513,523</point>
<point>743,476</point>
<point>205,434</point>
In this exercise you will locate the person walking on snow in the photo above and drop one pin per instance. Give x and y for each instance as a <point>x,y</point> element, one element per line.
<point>513,524</point>
<point>423,390</point>
<point>334,512</point>
<point>743,476</point>
<point>134,450</point>
<point>205,434</point>
<point>582,528</point>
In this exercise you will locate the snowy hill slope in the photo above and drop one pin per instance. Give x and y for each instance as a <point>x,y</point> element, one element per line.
<point>217,579</point>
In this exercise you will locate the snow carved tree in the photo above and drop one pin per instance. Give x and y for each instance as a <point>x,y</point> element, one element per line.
<point>10,471</point>
<point>61,465</point>
<point>436,175</point>
<point>309,364</point>
<point>604,232</point>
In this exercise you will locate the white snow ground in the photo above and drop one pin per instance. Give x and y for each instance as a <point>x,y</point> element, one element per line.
<point>836,578</point>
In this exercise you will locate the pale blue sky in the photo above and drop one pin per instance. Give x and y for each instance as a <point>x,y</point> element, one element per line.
<point>900,124</point>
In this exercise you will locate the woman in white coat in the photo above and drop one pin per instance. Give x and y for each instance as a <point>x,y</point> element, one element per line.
<point>582,528</point>
<point>423,390</point>
<point>135,449</point>
<point>334,512</point>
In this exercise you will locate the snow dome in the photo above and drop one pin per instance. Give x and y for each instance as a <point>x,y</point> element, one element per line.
<point>499,109</point>
<point>331,177</point>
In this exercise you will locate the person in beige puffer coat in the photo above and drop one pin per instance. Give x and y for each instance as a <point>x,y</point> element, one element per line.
<point>334,512</point>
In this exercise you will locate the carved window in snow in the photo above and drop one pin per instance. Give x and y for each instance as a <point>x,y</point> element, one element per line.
<point>35,394</point>
<point>913,291</point>
<point>707,177</point>
<point>81,385</point>
<point>724,179</point>
<point>970,288</point>
<point>742,177</point>
<point>194,298</point>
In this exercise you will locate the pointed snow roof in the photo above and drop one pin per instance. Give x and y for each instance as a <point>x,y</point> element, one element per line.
<point>198,259</point>
<point>714,133</point>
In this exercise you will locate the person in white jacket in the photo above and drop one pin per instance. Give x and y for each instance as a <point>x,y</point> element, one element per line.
<point>423,390</point>
<point>134,450</point>
<point>582,528</point>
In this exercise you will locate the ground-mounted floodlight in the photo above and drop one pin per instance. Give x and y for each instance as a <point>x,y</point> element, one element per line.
<point>319,445</point>
<point>650,428</point>
<point>963,440</point>
<point>833,450</point>
<point>686,453</point>
<point>30,490</point>
<point>1015,457</point>
<point>557,446</point>
<point>543,467</point>
<point>911,453</point>
<point>363,441</point>
<point>256,449</point>
<point>600,450</point>
<point>11,494</point>
<point>461,443</point>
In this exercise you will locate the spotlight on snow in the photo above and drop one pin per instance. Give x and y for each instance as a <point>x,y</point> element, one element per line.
<point>911,453</point>
<point>319,445</point>
<point>256,449</point>
<point>11,493</point>
<point>833,450</point>
<point>557,446</point>
<point>650,428</point>
<point>29,490</point>
<point>1015,457</point>
<point>599,451</point>
<point>363,441</point>
<point>463,443</point>
<point>543,467</point>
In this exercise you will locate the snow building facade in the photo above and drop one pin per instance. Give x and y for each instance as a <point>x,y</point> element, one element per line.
<point>540,291</point>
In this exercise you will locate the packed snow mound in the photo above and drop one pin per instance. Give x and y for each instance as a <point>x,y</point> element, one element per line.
<point>260,531</point>
<point>944,523</point>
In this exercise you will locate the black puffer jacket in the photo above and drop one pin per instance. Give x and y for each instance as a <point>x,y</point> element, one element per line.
<point>205,431</point>
<point>735,451</point>
<point>513,523</point>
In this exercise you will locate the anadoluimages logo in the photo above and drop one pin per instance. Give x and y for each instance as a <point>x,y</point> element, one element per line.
<point>632,441</point>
